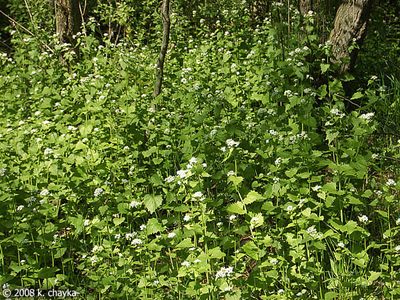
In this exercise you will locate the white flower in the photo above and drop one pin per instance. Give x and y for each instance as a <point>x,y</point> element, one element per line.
<point>231,143</point>
<point>117,236</point>
<point>142,227</point>
<point>198,195</point>
<point>273,132</point>
<point>312,231</point>
<point>2,171</point>
<point>224,272</point>
<point>223,149</point>
<point>21,207</point>
<point>137,242</point>
<point>278,161</point>
<point>97,248</point>
<point>169,179</point>
<point>129,236</point>
<point>398,221</point>
<point>337,112</point>
<point>390,182</point>
<point>171,235</point>
<point>273,261</point>
<point>98,192</point>
<point>38,113</point>
<point>182,173</point>
<point>48,151</point>
<point>126,148</point>
<point>204,165</point>
<point>316,188</point>
<point>86,223</point>
<point>193,160</point>
<point>397,248</point>
<point>367,116</point>
<point>375,156</point>
<point>232,217</point>
<point>196,261</point>
<point>134,204</point>
<point>341,244</point>
<point>287,93</point>
<point>46,122</point>
<point>363,219</point>
<point>71,128</point>
<point>230,173</point>
<point>94,259</point>
<point>289,208</point>
<point>186,218</point>
<point>186,264</point>
<point>44,192</point>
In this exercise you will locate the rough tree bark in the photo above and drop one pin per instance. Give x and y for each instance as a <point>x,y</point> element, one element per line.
<point>68,19</point>
<point>164,47</point>
<point>305,6</point>
<point>350,26</point>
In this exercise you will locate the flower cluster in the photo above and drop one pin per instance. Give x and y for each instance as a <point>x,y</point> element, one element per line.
<point>231,143</point>
<point>224,272</point>
<point>337,112</point>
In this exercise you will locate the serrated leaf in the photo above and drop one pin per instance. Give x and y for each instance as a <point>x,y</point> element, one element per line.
<point>324,68</point>
<point>85,129</point>
<point>236,208</point>
<point>251,250</point>
<point>77,222</point>
<point>357,95</point>
<point>153,226</point>
<point>216,253</point>
<point>236,180</point>
<point>152,202</point>
<point>329,187</point>
<point>118,221</point>
<point>186,243</point>
<point>251,197</point>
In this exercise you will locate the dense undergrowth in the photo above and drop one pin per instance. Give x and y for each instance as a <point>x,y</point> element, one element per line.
<point>243,180</point>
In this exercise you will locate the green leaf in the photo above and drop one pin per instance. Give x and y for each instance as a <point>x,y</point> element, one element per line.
<point>186,243</point>
<point>123,208</point>
<point>77,222</point>
<point>153,226</point>
<point>85,129</point>
<point>290,173</point>
<point>236,208</point>
<point>80,145</point>
<point>216,253</point>
<point>47,272</point>
<point>236,180</point>
<point>152,202</point>
<point>324,68</point>
<point>331,295</point>
<point>251,197</point>
<point>252,250</point>
<point>118,221</point>
<point>329,187</point>
<point>357,95</point>
<point>373,276</point>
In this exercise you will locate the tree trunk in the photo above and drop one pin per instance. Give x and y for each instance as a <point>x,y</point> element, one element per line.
<point>305,6</point>
<point>164,47</point>
<point>349,27</point>
<point>68,19</point>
